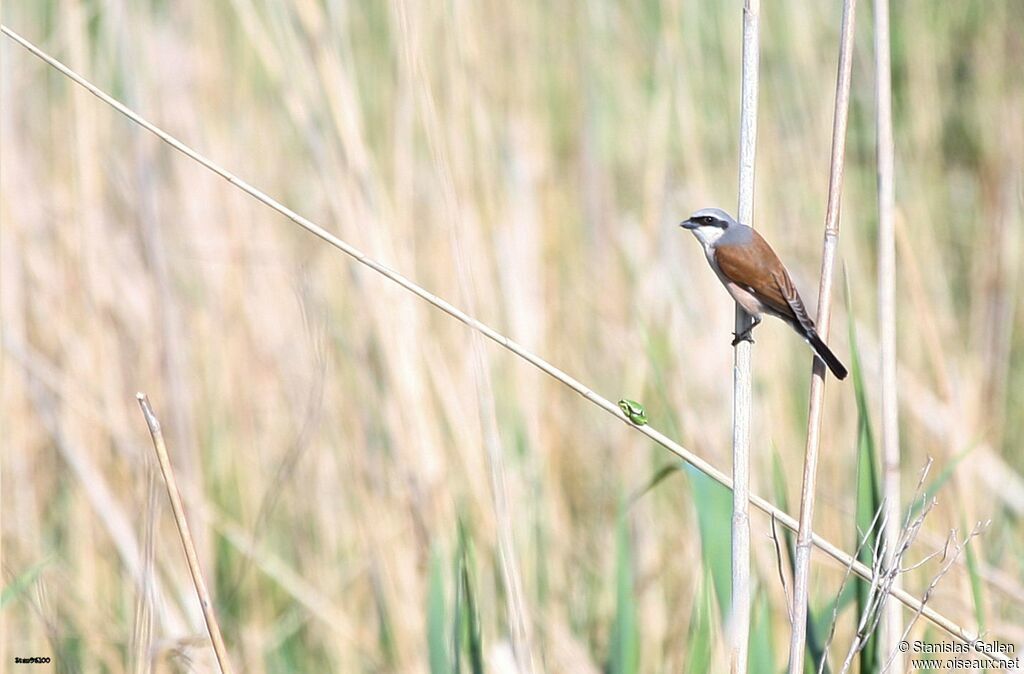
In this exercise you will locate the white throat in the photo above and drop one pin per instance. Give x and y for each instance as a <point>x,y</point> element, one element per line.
<point>708,235</point>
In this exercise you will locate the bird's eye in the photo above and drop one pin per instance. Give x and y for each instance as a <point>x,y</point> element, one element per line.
<point>708,220</point>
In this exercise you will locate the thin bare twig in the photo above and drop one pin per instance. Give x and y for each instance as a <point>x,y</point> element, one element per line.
<point>950,559</point>
<point>186,536</point>
<point>876,592</point>
<point>888,567</point>
<point>842,586</point>
<point>762,504</point>
<point>886,573</point>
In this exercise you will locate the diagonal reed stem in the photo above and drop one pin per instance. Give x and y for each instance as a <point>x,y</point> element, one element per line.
<point>191,557</point>
<point>802,574</point>
<point>762,504</point>
<point>739,615</point>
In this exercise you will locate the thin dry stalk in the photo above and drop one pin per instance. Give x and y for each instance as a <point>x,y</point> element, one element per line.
<point>880,571</point>
<point>802,575</point>
<point>949,559</point>
<point>186,536</point>
<point>611,408</point>
<point>888,567</point>
<point>842,586</point>
<point>876,594</point>
<point>739,619</point>
<point>891,628</point>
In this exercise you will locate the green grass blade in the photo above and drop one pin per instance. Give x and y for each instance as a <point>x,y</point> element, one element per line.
<point>437,642</point>
<point>385,631</point>
<point>975,575</point>
<point>698,656</point>
<point>761,657</point>
<point>714,506</point>
<point>17,587</point>
<point>656,479</point>
<point>624,655</point>
<point>470,623</point>
<point>458,612</point>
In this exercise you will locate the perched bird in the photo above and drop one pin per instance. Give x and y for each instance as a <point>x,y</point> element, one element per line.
<point>755,277</point>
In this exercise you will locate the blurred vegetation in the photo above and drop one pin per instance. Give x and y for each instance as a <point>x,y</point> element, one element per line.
<point>529,162</point>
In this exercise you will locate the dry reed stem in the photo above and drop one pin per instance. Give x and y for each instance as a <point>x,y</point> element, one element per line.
<point>949,560</point>
<point>739,615</point>
<point>186,536</point>
<point>686,455</point>
<point>802,575</point>
<point>891,628</point>
<point>842,586</point>
<point>886,574</point>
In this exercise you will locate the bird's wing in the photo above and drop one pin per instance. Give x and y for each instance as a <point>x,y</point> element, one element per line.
<point>755,267</point>
<point>793,301</point>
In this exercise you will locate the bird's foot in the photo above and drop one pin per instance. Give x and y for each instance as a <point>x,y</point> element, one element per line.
<point>742,337</point>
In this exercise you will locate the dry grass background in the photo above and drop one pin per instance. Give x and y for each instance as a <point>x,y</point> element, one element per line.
<point>528,162</point>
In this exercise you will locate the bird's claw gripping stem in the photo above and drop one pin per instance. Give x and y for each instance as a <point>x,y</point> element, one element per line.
<point>742,337</point>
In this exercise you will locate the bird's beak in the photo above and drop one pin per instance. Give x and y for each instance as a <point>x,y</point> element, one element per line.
<point>688,224</point>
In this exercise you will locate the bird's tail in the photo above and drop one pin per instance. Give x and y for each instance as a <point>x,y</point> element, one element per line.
<point>825,353</point>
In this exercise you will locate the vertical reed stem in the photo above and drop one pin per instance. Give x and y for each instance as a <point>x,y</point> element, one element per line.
<point>186,536</point>
<point>801,581</point>
<point>891,625</point>
<point>739,618</point>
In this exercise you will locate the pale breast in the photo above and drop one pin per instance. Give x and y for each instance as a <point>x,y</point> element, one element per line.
<point>743,297</point>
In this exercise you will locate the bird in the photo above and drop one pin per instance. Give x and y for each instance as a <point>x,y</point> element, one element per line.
<point>756,278</point>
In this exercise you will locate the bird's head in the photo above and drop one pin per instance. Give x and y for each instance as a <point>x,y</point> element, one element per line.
<point>708,224</point>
